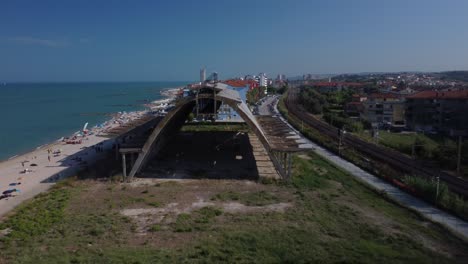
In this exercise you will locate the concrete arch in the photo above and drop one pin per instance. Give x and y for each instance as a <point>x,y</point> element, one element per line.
<point>175,119</point>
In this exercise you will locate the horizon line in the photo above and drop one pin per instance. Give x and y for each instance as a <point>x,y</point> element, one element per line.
<point>11,82</point>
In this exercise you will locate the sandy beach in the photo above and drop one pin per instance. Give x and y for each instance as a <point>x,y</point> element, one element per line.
<point>27,175</point>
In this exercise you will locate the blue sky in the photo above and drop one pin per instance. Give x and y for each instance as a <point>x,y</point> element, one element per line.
<point>171,40</point>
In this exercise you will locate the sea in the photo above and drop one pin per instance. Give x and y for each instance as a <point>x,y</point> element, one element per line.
<point>34,114</point>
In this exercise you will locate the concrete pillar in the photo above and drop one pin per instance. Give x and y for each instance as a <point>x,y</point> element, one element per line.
<point>124,165</point>
<point>198,107</point>
<point>214,103</point>
<point>285,162</point>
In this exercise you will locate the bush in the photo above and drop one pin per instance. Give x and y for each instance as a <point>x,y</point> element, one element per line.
<point>283,89</point>
<point>426,188</point>
<point>313,101</point>
<point>255,94</point>
<point>199,220</point>
<point>190,117</point>
<point>445,198</point>
<point>155,228</point>
<point>343,122</point>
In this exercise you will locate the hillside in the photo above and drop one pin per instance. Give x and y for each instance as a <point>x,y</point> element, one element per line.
<point>455,75</point>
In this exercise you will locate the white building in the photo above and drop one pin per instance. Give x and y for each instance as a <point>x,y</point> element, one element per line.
<point>203,75</point>
<point>262,80</point>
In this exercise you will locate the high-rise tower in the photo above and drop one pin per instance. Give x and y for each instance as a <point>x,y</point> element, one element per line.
<point>203,75</point>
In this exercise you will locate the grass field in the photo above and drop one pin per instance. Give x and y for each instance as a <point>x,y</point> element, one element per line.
<point>403,142</point>
<point>208,126</point>
<point>323,216</point>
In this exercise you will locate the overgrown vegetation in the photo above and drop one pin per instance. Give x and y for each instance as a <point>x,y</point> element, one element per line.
<point>345,123</point>
<point>210,126</point>
<point>250,199</point>
<point>282,89</point>
<point>256,94</point>
<point>331,105</point>
<point>38,216</point>
<point>379,169</point>
<point>330,102</point>
<point>439,194</point>
<point>313,101</point>
<point>455,75</point>
<point>199,220</point>
<point>440,150</point>
<point>332,218</point>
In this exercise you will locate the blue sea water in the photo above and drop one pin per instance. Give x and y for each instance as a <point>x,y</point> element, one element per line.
<point>33,114</point>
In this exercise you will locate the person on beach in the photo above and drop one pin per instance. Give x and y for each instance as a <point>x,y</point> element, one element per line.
<point>48,157</point>
<point>22,164</point>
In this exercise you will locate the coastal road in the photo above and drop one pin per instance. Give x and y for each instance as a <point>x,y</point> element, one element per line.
<point>264,108</point>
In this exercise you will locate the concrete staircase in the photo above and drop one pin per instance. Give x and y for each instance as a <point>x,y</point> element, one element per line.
<point>265,167</point>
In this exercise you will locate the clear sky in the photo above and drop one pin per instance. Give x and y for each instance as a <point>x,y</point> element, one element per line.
<point>171,40</point>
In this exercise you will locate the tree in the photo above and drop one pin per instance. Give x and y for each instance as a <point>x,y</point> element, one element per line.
<point>283,89</point>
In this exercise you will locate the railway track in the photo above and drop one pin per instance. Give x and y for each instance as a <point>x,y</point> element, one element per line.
<point>385,155</point>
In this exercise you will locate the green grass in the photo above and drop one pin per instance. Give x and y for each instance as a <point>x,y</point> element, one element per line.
<point>205,126</point>
<point>153,204</point>
<point>401,142</point>
<point>37,216</point>
<point>227,196</point>
<point>260,198</point>
<point>333,218</point>
<point>404,142</point>
<point>439,194</point>
<point>155,228</point>
<point>198,220</point>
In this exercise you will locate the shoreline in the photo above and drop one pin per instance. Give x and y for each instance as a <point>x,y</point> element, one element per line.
<point>167,93</point>
<point>23,176</point>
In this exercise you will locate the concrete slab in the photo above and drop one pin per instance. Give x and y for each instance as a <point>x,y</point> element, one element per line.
<point>264,164</point>
<point>263,170</point>
<point>262,158</point>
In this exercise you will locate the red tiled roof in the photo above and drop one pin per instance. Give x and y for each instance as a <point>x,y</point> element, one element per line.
<point>241,83</point>
<point>440,94</point>
<point>238,83</point>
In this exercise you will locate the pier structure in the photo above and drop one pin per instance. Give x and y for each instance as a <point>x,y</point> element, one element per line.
<point>275,137</point>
